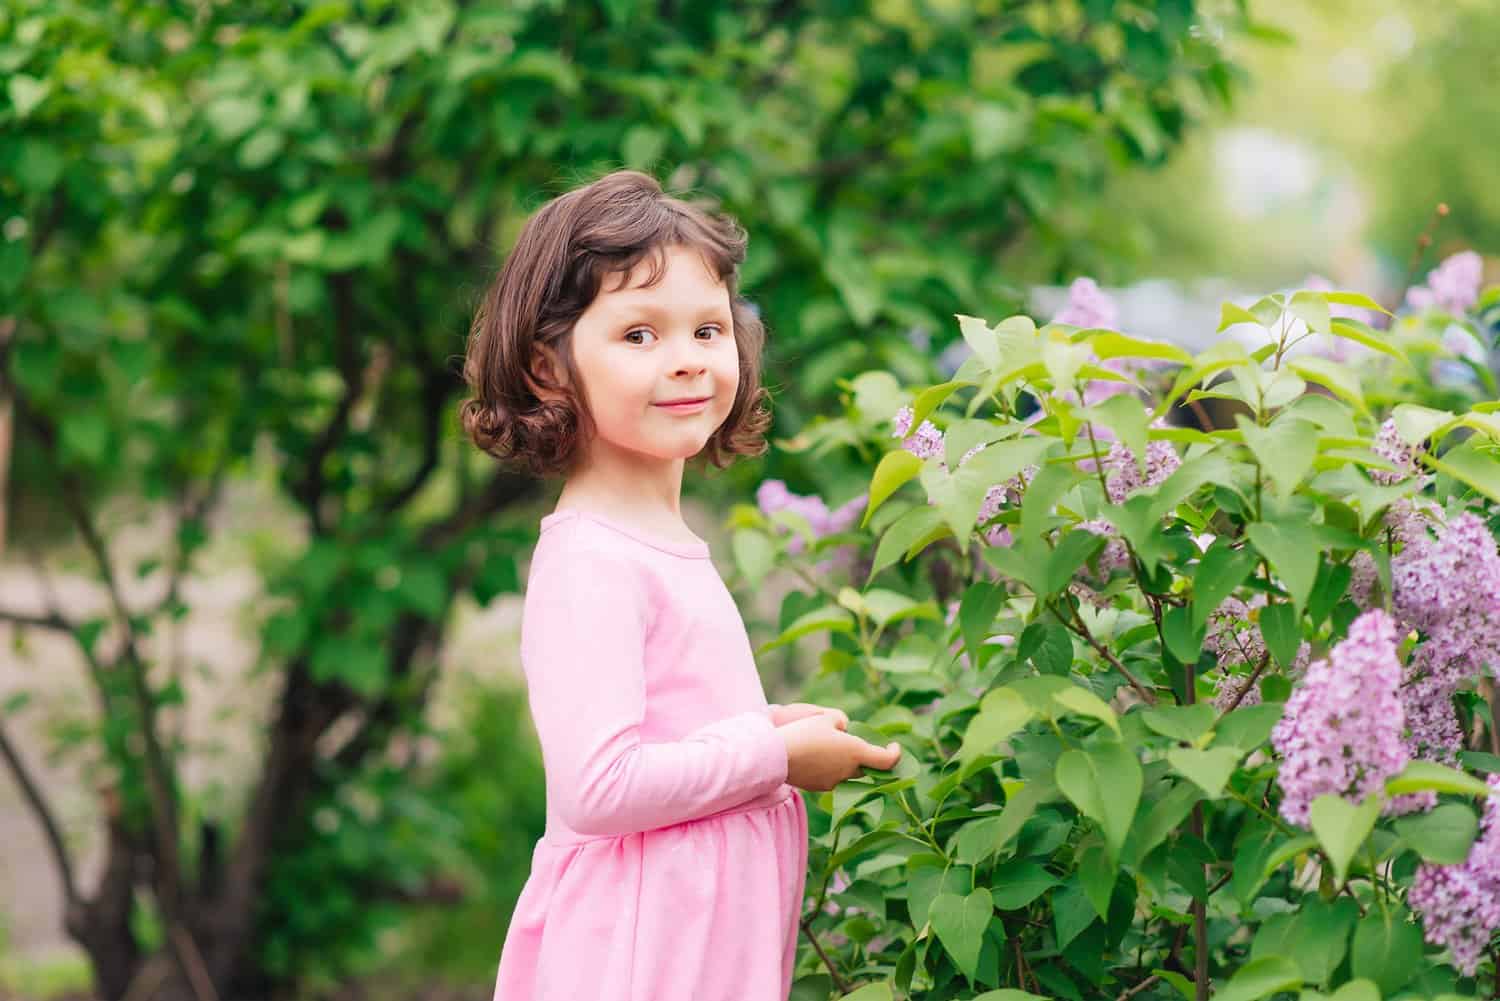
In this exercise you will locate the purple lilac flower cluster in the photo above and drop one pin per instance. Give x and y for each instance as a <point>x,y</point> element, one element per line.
<point>1460,904</point>
<point>1233,635</point>
<point>1088,306</point>
<point>1390,447</point>
<point>772,496</point>
<point>1452,286</point>
<point>926,442</point>
<point>1123,477</point>
<point>1341,730</point>
<point>1114,556</point>
<point>1449,588</point>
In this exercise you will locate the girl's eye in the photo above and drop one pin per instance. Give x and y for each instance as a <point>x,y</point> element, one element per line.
<point>713,328</point>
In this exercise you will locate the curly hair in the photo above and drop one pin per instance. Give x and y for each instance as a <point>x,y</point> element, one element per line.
<point>552,275</point>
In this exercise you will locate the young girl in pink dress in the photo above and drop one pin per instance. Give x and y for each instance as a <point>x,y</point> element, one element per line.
<point>612,348</point>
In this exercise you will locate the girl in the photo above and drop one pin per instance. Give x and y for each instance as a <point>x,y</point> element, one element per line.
<point>612,348</point>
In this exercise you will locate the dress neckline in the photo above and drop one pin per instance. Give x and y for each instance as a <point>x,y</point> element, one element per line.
<point>697,549</point>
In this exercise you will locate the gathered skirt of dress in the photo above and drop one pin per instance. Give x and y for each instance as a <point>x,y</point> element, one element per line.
<point>706,910</point>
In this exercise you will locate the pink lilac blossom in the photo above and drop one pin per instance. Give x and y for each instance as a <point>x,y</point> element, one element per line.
<point>926,442</point>
<point>1114,556</point>
<point>1449,588</point>
<point>1342,727</point>
<point>1233,635</point>
<point>1432,730</point>
<point>772,496</point>
<point>1363,576</point>
<point>1462,342</point>
<point>1123,477</point>
<point>1088,306</point>
<point>1452,286</point>
<point>1390,447</point>
<point>1460,904</point>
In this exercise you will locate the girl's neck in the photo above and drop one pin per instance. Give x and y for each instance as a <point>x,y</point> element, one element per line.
<point>654,503</point>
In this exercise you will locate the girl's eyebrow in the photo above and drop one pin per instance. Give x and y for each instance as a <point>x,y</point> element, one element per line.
<point>647,309</point>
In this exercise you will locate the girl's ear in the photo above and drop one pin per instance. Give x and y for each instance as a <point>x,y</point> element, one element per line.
<point>546,372</point>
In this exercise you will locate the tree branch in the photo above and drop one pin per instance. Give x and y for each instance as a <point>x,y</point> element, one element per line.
<point>434,390</point>
<point>309,490</point>
<point>39,806</point>
<point>1081,628</point>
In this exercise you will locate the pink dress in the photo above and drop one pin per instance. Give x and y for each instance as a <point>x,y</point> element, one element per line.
<point>675,855</point>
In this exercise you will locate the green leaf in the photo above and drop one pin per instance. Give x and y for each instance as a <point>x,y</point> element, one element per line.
<point>1230,315</point>
<point>927,877</point>
<point>1071,912</point>
<point>1249,726</point>
<point>1112,344</point>
<point>1075,549</point>
<point>829,618</point>
<point>1183,639</point>
<point>1444,835</point>
<point>870,992</point>
<point>905,532</point>
<point>976,614</point>
<point>959,493</point>
<point>1085,703</point>
<point>1127,417</point>
<point>1220,570</point>
<point>1010,994</point>
<point>1181,984</point>
<point>1342,827</point>
<point>1261,978</point>
<point>1415,423</point>
<point>26,92</point>
<point>1342,382</point>
<point>1002,712</point>
<point>1387,948</point>
<point>1184,723</point>
<point>1285,450</point>
<point>959,923</point>
<point>982,340</point>
<point>1316,937</point>
<point>1423,776</point>
<point>1312,309</point>
<point>1278,626</point>
<point>1361,333</point>
<point>1471,466</point>
<point>1104,783</point>
<point>895,469</point>
<point>1017,883</point>
<point>1293,550</point>
<point>1096,874</point>
<point>1208,769</point>
<point>1164,817</point>
<point>930,399</point>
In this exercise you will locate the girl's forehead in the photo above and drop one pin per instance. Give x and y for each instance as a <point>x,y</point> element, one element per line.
<point>669,273</point>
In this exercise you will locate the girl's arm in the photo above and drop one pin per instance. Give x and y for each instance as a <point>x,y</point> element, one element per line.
<point>584,660</point>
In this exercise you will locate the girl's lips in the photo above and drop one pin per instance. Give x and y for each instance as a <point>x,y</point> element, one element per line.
<point>684,408</point>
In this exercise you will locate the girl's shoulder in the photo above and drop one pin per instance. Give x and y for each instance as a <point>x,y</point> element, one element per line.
<point>595,530</point>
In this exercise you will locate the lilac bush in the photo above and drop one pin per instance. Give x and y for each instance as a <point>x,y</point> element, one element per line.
<point>1187,709</point>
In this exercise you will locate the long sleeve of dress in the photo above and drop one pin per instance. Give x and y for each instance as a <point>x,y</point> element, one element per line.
<point>586,676</point>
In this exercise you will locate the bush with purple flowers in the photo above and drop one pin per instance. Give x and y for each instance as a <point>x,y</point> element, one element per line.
<point>1207,708</point>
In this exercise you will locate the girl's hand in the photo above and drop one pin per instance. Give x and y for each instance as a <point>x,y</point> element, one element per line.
<point>782,715</point>
<point>820,754</point>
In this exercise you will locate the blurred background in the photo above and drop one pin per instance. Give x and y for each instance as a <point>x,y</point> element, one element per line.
<point>262,732</point>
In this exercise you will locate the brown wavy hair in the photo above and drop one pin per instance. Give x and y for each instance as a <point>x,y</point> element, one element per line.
<point>551,276</point>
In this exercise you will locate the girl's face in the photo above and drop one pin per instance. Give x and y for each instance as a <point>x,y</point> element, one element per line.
<point>638,348</point>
